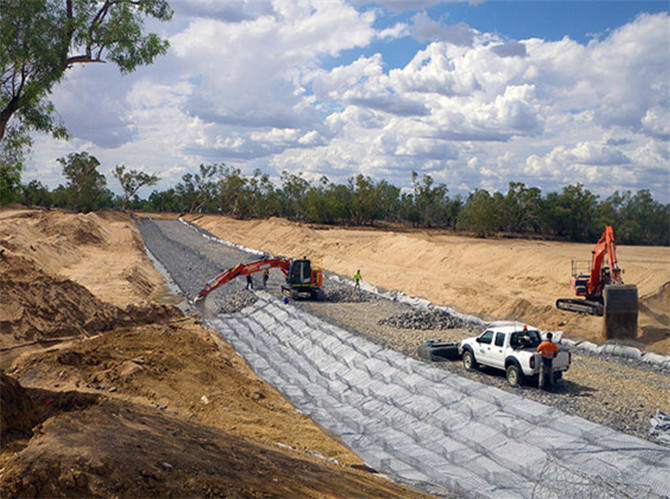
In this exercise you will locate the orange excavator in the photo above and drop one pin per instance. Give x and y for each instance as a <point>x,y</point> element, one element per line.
<point>302,279</point>
<point>603,289</point>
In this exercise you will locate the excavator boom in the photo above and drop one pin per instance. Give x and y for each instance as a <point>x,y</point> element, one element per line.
<point>302,279</point>
<point>243,269</point>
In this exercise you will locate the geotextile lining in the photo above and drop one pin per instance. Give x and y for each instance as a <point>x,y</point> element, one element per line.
<point>425,425</point>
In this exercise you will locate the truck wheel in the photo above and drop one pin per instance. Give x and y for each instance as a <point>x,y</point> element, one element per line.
<point>514,375</point>
<point>469,361</point>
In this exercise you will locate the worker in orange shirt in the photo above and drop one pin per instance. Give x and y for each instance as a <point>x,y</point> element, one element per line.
<point>547,350</point>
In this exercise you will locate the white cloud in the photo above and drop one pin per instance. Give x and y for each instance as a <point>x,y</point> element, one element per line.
<point>398,31</point>
<point>425,29</point>
<point>245,82</point>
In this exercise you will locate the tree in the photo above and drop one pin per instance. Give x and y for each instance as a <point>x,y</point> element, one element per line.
<point>86,187</point>
<point>365,202</point>
<point>233,192</point>
<point>12,153</point>
<point>36,194</point>
<point>164,201</point>
<point>431,202</point>
<point>520,208</point>
<point>294,193</point>
<point>198,192</point>
<point>480,213</point>
<point>642,220</point>
<point>389,200</point>
<point>132,181</point>
<point>571,213</point>
<point>41,39</point>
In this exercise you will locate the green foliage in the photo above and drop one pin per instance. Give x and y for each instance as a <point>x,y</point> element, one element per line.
<point>574,214</point>
<point>640,219</point>
<point>571,214</point>
<point>13,151</point>
<point>37,194</point>
<point>365,200</point>
<point>520,212</point>
<point>86,185</point>
<point>132,181</point>
<point>198,192</point>
<point>294,195</point>
<point>480,213</point>
<point>41,39</point>
<point>431,204</point>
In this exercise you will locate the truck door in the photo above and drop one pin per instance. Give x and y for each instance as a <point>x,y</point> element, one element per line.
<point>497,358</point>
<point>483,353</point>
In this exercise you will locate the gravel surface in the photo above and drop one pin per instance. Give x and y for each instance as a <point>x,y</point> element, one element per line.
<point>620,393</point>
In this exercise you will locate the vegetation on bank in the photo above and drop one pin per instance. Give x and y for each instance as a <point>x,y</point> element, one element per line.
<point>574,214</point>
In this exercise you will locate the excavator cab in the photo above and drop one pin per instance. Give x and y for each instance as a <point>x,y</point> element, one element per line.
<point>299,273</point>
<point>303,280</point>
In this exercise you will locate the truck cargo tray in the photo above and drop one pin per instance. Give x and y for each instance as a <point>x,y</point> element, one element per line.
<point>435,351</point>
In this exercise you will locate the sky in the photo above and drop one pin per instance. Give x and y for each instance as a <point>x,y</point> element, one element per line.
<point>476,95</point>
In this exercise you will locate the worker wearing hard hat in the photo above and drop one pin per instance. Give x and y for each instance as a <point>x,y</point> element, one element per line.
<point>548,350</point>
<point>357,279</point>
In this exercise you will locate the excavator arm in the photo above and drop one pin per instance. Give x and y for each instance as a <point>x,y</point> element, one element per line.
<point>243,269</point>
<point>605,246</point>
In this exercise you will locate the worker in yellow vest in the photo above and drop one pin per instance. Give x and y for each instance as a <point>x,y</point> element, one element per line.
<point>357,279</point>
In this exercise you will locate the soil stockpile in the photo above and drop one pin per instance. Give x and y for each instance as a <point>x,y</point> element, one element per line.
<point>496,279</point>
<point>39,307</point>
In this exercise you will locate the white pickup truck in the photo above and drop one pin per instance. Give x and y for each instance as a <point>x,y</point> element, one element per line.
<point>507,346</point>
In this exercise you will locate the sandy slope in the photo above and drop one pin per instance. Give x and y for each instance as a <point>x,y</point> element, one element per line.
<point>506,278</point>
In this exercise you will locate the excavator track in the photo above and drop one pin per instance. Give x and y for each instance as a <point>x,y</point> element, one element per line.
<point>582,306</point>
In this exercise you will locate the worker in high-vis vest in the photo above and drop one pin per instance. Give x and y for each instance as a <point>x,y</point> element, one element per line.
<point>547,350</point>
<point>357,279</point>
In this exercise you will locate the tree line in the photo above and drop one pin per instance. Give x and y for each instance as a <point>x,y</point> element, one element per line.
<point>573,214</point>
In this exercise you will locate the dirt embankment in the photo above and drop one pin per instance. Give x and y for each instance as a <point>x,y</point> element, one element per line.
<point>119,396</point>
<point>496,279</point>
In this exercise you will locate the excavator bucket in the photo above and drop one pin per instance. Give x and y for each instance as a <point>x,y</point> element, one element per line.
<point>620,311</point>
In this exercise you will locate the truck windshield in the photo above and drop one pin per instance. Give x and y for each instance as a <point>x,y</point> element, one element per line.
<point>525,339</point>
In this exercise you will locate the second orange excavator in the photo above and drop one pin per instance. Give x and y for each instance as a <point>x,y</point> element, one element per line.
<point>603,290</point>
<point>303,280</point>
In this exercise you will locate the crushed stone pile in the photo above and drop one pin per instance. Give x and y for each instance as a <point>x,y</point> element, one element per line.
<point>345,294</point>
<point>425,319</point>
<point>235,301</point>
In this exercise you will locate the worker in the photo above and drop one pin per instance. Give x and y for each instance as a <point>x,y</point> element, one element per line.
<point>548,350</point>
<point>357,279</point>
<point>266,275</point>
<point>250,282</point>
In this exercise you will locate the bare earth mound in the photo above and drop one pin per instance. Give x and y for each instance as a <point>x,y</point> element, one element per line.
<point>495,279</point>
